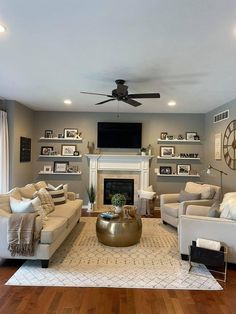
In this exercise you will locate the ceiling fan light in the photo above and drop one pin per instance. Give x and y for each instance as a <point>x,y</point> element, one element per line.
<point>67,102</point>
<point>171,103</point>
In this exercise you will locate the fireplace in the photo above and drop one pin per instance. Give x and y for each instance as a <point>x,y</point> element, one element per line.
<point>122,186</point>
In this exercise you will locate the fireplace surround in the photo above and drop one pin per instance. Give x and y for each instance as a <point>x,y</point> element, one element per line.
<point>134,167</point>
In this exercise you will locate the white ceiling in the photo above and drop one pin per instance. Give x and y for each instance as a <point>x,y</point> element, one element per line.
<point>184,49</point>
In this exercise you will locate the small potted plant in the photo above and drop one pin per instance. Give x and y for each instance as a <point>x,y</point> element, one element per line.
<point>92,196</point>
<point>118,201</point>
<point>143,151</point>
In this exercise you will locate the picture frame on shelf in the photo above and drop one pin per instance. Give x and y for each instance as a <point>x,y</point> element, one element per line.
<point>60,166</point>
<point>46,150</point>
<point>68,150</point>
<point>190,136</point>
<point>165,170</point>
<point>70,133</point>
<point>48,133</point>
<point>47,169</point>
<point>163,135</point>
<point>167,151</point>
<point>60,135</point>
<point>183,169</point>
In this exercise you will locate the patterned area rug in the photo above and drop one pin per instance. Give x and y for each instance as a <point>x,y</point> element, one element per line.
<point>82,261</point>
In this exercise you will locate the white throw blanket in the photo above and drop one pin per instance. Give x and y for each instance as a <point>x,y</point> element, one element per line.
<point>208,244</point>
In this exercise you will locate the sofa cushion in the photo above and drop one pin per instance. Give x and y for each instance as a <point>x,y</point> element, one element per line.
<point>186,196</point>
<point>46,200</point>
<point>69,210</point>
<point>57,194</point>
<point>206,191</point>
<point>27,191</point>
<point>172,209</point>
<point>40,185</point>
<point>52,229</point>
<point>5,199</point>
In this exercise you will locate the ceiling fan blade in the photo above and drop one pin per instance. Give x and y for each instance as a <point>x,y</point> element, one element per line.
<point>103,102</point>
<point>96,94</point>
<point>132,102</point>
<point>147,95</point>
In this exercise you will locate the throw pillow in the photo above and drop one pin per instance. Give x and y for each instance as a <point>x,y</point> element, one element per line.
<point>5,199</point>
<point>65,187</point>
<point>46,200</point>
<point>148,189</point>
<point>21,206</point>
<point>204,190</point>
<point>214,210</point>
<point>40,185</point>
<point>28,191</point>
<point>185,196</point>
<point>229,211</point>
<point>58,195</point>
<point>37,205</point>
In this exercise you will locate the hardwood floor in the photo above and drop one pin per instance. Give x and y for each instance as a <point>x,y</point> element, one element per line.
<point>38,300</point>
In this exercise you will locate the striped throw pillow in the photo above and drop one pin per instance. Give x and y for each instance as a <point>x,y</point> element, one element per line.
<point>58,195</point>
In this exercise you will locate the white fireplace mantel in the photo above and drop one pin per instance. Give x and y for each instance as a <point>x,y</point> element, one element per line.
<point>98,162</point>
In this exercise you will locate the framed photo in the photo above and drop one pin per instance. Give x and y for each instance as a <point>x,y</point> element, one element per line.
<point>163,135</point>
<point>61,166</point>
<point>183,169</point>
<point>46,150</point>
<point>47,169</point>
<point>48,133</point>
<point>190,136</point>
<point>25,149</point>
<point>167,151</point>
<point>70,133</point>
<point>68,150</point>
<point>165,170</point>
<point>218,140</point>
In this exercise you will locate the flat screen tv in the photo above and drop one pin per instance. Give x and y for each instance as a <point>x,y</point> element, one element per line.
<point>119,135</point>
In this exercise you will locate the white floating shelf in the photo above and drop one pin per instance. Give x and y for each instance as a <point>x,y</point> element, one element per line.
<point>179,175</point>
<point>61,173</point>
<point>51,139</point>
<point>175,140</point>
<point>59,156</point>
<point>177,158</point>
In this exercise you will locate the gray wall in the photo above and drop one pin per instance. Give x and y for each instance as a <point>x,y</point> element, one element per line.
<point>20,123</point>
<point>153,125</point>
<point>229,181</point>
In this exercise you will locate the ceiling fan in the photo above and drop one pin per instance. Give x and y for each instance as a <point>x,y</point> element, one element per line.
<point>121,94</point>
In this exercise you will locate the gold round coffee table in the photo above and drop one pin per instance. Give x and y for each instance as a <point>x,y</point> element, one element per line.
<point>119,231</point>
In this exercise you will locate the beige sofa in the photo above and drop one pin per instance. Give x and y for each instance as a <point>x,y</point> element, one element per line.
<point>197,224</point>
<point>52,232</point>
<point>172,209</point>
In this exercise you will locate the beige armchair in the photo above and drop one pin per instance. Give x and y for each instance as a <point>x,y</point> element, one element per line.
<point>172,208</point>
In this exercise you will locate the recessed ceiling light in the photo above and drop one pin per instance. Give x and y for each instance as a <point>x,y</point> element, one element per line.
<point>2,28</point>
<point>67,102</point>
<point>171,103</point>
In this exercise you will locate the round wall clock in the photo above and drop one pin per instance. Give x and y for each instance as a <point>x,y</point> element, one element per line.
<point>229,145</point>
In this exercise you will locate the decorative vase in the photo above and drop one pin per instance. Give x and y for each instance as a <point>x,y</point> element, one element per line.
<point>118,209</point>
<point>90,207</point>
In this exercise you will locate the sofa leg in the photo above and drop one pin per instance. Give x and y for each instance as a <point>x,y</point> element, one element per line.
<point>45,263</point>
<point>184,257</point>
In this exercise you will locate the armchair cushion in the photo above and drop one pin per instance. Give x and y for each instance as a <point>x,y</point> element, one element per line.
<point>186,196</point>
<point>207,191</point>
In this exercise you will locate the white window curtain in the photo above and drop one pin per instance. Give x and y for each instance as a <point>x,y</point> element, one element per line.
<point>4,153</point>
